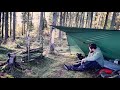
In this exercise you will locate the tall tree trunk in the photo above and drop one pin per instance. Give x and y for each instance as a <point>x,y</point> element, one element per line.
<point>102,20</point>
<point>14,25</point>
<point>73,19</point>
<point>66,19</point>
<point>22,29</point>
<point>87,19</point>
<point>6,26</point>
<point>117,26</point>
<point>63,24</point>
<point>27,35</point>
<point>24,25</point>
<point>91,19</point>
<point>113,20</point>
<point>10,23</point>
<point>70,21</point>
<point>24,22</point>
<point>0,22</point>
<point>32,15</point>
<point>60,25</point>
<point>42,30</point>
<point>64,15</point>
<point>81,18</point>
<point>95,20</point>
<point>99,22</point>
<point>77,19</point>
<point>44,15</point>
<point>98,19</point>
<point>82,21</point>
<point>88,22</point>
<point>3,19</point>
<point>40,25</point>
<point>28,22</point>
<point>52,32</point>
<point>106,19</point>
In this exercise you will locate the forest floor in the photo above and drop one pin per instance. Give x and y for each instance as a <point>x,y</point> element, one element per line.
<point>49,67</point>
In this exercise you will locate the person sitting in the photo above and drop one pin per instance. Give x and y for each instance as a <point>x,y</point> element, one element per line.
<point>94,60</point>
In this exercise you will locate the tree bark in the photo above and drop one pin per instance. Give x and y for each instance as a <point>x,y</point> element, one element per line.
<point>22,29</point>
<point>24,25</point>
<point>3,19</point>
<point>66,19</point>
<point>81,18</point>
<point>52,33</point>
<point>113,20</point>
<point>89,16</point>
<point>77,19</point>
<point>6,26</point>
<point>97,20</point>
<point>70,17</point>
<point>60,25</point>
<point>0,22</point>
<point>28,22</point>
<point>41,28</point>
<point>106,19</point>
<point>40,25</point>
<point>14,25</point>
<point>32,15</point>
<point>91,19</point>
<point>82,21</point>
<point>10,23</point>
<point>117,26</point>
<point>64,15</point>
<point>24,17</point>
<point>87,20</point>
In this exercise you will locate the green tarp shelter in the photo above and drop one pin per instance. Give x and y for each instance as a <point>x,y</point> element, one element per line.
<point>107,40</point>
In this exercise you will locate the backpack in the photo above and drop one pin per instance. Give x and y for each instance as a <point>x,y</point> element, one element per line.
<point>108,73</point>
<point>106,70</point>
<point>80,56</point>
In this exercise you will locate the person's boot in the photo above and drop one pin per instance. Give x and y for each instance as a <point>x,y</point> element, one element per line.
<point>67,67</point>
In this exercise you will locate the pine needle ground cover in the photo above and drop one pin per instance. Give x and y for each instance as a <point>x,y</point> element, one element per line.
<point>49,67</point>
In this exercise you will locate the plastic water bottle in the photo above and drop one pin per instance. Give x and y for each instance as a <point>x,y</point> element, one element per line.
<point>116,61</point>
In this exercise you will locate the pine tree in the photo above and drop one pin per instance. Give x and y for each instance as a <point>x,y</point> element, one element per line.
<point>0,22</point>
<point>3,20</point>
<point>52,32</point>
<point>6,26</point>
<point>113,20</point>
<point>106,19</point>
<point>10,23</point>
<point>14,24</point>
